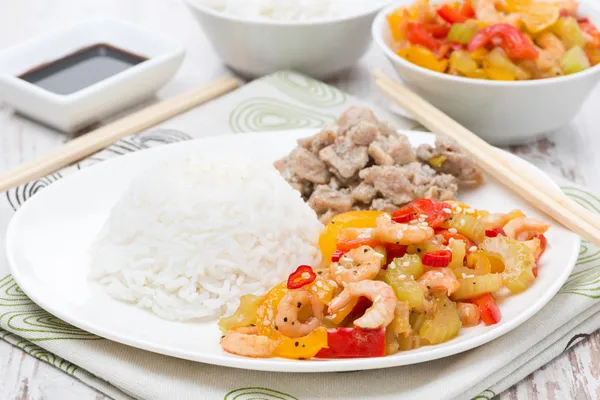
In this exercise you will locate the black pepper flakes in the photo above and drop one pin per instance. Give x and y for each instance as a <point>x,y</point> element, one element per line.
<point>320,272</point>
<point>418,250</point>
<point>301,358</point>
<point>293,323</point>
<point>303,345</point>
<point>252,324</point>
<point>223,337</point>
<point>299,304</point>
<point>285,319</point>
<point>428,287</point>
<point>296,344</point>
<point>366,250</point>
<point>397,242</point>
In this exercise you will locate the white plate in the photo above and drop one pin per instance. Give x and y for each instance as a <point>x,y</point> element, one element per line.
<point>48,239</point>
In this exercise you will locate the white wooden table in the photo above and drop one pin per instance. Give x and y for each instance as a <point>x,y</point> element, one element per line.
<point>571,153</point>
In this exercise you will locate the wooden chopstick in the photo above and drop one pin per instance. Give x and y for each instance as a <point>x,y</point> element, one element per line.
<point>557,206</point>
<point>577,208</point>
<point>103,137</point>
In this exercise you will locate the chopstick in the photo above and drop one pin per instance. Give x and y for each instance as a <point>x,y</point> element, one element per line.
<point>103,137</point>
<point>556,205</point>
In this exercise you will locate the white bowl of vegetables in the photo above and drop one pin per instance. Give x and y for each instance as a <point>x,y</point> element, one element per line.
<point>487,76</point>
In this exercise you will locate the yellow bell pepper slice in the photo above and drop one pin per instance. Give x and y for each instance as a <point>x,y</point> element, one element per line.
<point>351,219</point>
<point>295,348</point>
<point>398,23</point>
<point>424,58</point>
<point>324,289</point>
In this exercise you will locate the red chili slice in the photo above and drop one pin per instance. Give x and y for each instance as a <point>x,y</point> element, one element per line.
<point>495,232</point>
<point>335,257</point>
<point>439,258</point>
<point>303,275</point>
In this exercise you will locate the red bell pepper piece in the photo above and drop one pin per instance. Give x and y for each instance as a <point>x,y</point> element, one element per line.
<point>335,257</point>
<point>543,244</point>
<point>490,313</point>
<point>512,41</point>
<point>395,251</point>
<point>453,16</point>
<point>354,343</point>
<point>418,34</point>
<point>495,232</point>
<point>438,30</point>
<point>439,258</point>
<point>303,275</point>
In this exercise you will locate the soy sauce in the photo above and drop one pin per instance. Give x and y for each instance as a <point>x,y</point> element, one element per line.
<point>81,69</point>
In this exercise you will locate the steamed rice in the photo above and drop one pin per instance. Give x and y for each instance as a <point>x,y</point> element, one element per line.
<point>191,236</point>
<point>293,10</point>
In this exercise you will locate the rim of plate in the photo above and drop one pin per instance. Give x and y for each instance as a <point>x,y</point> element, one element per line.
<point>279,364</point>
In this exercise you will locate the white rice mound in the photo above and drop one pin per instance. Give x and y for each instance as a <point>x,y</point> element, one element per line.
<point>190,236</point>
<point>292,10</point>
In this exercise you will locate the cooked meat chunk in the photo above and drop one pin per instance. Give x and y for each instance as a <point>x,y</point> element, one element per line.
<point>394,149</point>
<point>364,193</point>
<point>321,140</point>
<point>391,182</point>
<point>447,158</point>
<point>386,129</point>
<point>286,169</point>
<point>345,157</point>
<point>430,184</point>
<point>353,116</point>
<point>384,205</point>
<point>325,199</point>
<point>308,166</point>
<point>441,187</point>
<point>402,184</point>
<point>365,164</point>
<point>363,133</point>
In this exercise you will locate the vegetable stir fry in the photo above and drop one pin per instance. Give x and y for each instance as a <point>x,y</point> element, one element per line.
<point>392,282</point>
<point>496,39</point>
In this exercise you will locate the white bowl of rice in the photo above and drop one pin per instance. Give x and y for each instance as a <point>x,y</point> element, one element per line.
<point>319,38</point>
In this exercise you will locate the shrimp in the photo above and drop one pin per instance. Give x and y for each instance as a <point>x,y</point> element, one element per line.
<point>359,264</point>
<point>248,343</point>
<point>380,314</point>
<point>287,321</point>
<point>524,228</point>
<point>495,221</point>
<point>486,10</point>
<point>535,247</point>
<point>440,279</point>
<point>469,314</point>
<point>551,52</point>
<point>568,6</point>
<point>392,232</point>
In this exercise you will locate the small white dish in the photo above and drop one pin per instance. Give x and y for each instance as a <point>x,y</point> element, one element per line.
<point>73,111</point>
<point>49,237</point>
<point>501,112</point>
<point>254,47</point>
